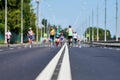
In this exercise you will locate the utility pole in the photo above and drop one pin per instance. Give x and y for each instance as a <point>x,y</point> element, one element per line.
<point>105,21</point>
<point>116,20</point>
<point>89,29</point>
<point>21,21</point>
<point>92,25</point>
<point>5,20</point>
<point>37,1</point>
<point>97,24</point>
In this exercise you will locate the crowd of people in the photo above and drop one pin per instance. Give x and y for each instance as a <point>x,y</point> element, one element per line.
<point>56,37</point>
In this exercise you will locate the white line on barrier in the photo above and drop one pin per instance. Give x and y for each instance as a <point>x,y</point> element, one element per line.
<point>46,74</point>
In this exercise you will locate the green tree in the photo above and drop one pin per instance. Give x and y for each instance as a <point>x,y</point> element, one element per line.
<point>101,33</point>
<point>14,16</point>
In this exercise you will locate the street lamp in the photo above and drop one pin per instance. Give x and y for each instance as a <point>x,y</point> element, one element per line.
<point>38,2</point>
<point>92,25</point>
<point>97,24</point>
<point>105,22</point>
<point>21,21</point>
<point>5,20</point>
<point>89,29</point>
<point>116,20</point>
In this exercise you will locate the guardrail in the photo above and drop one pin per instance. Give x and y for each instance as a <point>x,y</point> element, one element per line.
<point>106,44</point>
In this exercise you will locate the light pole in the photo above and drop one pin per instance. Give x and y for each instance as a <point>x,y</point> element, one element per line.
<point>92,25</point>
<point>89,29</point>
<point>105,21</point>
<point>38,2</point>
<point>5,20</point>
<point>21,21</point>
<point>97,24</point>
<point>116,20</point>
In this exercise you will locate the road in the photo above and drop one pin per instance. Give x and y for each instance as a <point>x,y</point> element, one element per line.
<point>86,63</point>
<point>95,63</point>
<point>24,63</point>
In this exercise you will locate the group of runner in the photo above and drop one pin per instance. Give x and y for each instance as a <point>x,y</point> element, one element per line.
<point>56,37</point>
<point>73,38</point>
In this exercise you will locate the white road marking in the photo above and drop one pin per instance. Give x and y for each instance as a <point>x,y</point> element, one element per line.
<point>65,71</point>
<point>46,74</point>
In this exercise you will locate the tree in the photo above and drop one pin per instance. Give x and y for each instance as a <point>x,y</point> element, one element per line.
<point>101,33</point>
<point>14,16</point>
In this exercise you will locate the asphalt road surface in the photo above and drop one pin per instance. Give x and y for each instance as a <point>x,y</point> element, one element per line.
<point>87,63</point>
<point>24,63</point>
<point>95,63</point>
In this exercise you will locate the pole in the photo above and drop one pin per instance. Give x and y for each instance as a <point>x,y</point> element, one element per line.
<point>116,20</point>
<point>105,21</point>
<point>89,29</point>
<point>97,24</point>
<point>5,20</point>
<point>92,26</point>
<point>37,20</point>
<point>21,21</point>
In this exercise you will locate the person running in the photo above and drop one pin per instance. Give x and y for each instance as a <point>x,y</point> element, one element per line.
<point>70,35</point>
<point>75,37</point>
<point>30,36</point>
<point>62,39</point>
<point>8,36</point>
<point>52,35</point>
<point>57,41</point>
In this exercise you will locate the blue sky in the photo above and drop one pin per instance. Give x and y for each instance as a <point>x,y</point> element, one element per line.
<point>77,12</point>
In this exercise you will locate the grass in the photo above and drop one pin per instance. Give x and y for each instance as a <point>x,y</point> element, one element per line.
<point>1,42</point>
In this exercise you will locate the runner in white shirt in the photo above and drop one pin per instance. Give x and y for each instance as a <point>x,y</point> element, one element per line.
<point>30,36</point>
<point>8,36</point>
<point>75,36</point>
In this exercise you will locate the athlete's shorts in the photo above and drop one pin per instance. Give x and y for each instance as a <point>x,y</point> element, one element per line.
<point>61,39</point>
<point>75,39</point>
<point>29,37</point>
<point>8,40</point>
<point>52,38</point>
<point>69,37</point>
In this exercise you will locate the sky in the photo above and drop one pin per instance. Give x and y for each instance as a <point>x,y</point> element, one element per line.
<point>77,13</point>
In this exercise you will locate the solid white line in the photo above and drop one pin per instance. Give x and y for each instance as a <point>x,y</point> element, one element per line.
<point>65,71</point>
<point>47,73</point>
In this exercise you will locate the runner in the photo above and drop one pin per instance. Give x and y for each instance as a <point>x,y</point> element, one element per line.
<point>62,39</point>
<point>70,36</point>
<point>52,35</point>
<point>57,40</point>
<point>30,36</point>
<point>75,37</point>
<point>8,36</point>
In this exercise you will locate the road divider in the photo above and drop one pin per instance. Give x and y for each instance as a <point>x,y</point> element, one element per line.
<point>64,73</point>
